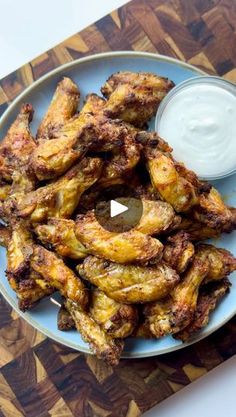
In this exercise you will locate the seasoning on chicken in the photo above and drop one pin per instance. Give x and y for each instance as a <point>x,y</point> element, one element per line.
<point>134,97</point>
<point>63,106</point>
<point>129,283</point>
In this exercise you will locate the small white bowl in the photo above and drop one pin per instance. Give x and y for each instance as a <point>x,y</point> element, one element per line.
<point>184,157</point>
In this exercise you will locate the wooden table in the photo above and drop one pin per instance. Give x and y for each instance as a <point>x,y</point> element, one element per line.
<point>40,378</point>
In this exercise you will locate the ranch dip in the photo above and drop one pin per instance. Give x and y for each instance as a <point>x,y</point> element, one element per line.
<point>198,120</point>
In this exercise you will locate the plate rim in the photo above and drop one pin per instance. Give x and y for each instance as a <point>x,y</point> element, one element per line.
<point>70,65</point>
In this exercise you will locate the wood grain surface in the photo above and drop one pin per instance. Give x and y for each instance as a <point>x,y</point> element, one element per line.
<point>41,378</point>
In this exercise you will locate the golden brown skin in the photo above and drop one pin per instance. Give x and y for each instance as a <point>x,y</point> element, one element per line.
<point>5,235</point>
<point>220,261</point>
<point>58,275</point>
<point>129,283</point>
<point>143,331</point>
<point>116,319</point>
<point>28,285</point>
<point>197,231</point>
<point>134,97</point>
<point>4,191</point>
<point>209,296</point>
<point>83,132</point>
<point>178,251</point>
<point>61,235</point>
<point>102,344</point>
<point>19,251</point>
<point>174,313</point>
<point>156,218</point>
<point>17,145</point>
<point>132,246</point>
<point>60,198</point>
<point>174,188</point>
<point>94,104</point>
<point>213,212</point>
<point>124,158</point>
<point>64,319</point>
<point>52,158</point>
<point>30,290</point>
<point>62,107</point>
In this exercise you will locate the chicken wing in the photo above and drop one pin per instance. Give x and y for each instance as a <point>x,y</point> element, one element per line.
<point>176,312</point>
<point>132,246</point>
<point>134,97</point>
<point>18,144</point>
<point>81,133</point>
<point>156,218</point>
<point>175,189</point>
<point>19,252</point>
<point>102,344</point>
<point>123,159</point>
<point>116,319</point>
<point>30,290</point>
<point>209,296</point>
<point>129,283</point>
<point>178,251</point>
<point>213,212</point>
<point>62,107</point>
<point>60,233</point>
<point>58,275</point>
<point>30,287</point>
<point>60,198</point>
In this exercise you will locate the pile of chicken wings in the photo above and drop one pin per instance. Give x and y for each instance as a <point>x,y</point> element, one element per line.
<point>154,280</point>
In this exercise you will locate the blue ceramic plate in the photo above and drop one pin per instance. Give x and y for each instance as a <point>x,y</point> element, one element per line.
<point>90,73</point>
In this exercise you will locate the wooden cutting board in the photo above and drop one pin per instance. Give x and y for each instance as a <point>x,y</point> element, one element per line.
<point>40,378</point>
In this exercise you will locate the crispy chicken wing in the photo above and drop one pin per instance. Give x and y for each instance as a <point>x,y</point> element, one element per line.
<point>213,212</point>
<point>124,158</point>
<point>60,198</point>
<point>134,97</point>
<point>62,107</point>
<point>178,251</point>
<point>174,188</point>
<point>86,131</point>
<point>220,261</point>
<point>209,296</point>
<point>174,313</point>
<point>58,275</point>
<point>156,218</point>
<point>60,234</point>
<point>19,251</point>
<point>29,286</point>
<point>52,158</point>
<point>132,246</point>
<point>18,144</point>
<point>129,283</point>
<point>30,290</point>
<point>116,319</point>
<point>102,344</point>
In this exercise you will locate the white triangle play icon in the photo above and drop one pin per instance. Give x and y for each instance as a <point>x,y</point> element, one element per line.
<point>117,208</point>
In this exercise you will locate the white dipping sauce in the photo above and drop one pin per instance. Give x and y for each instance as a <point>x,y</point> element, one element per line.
<point>199,122</point>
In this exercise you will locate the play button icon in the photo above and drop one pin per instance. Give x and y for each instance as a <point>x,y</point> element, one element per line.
<point>118,209</point>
